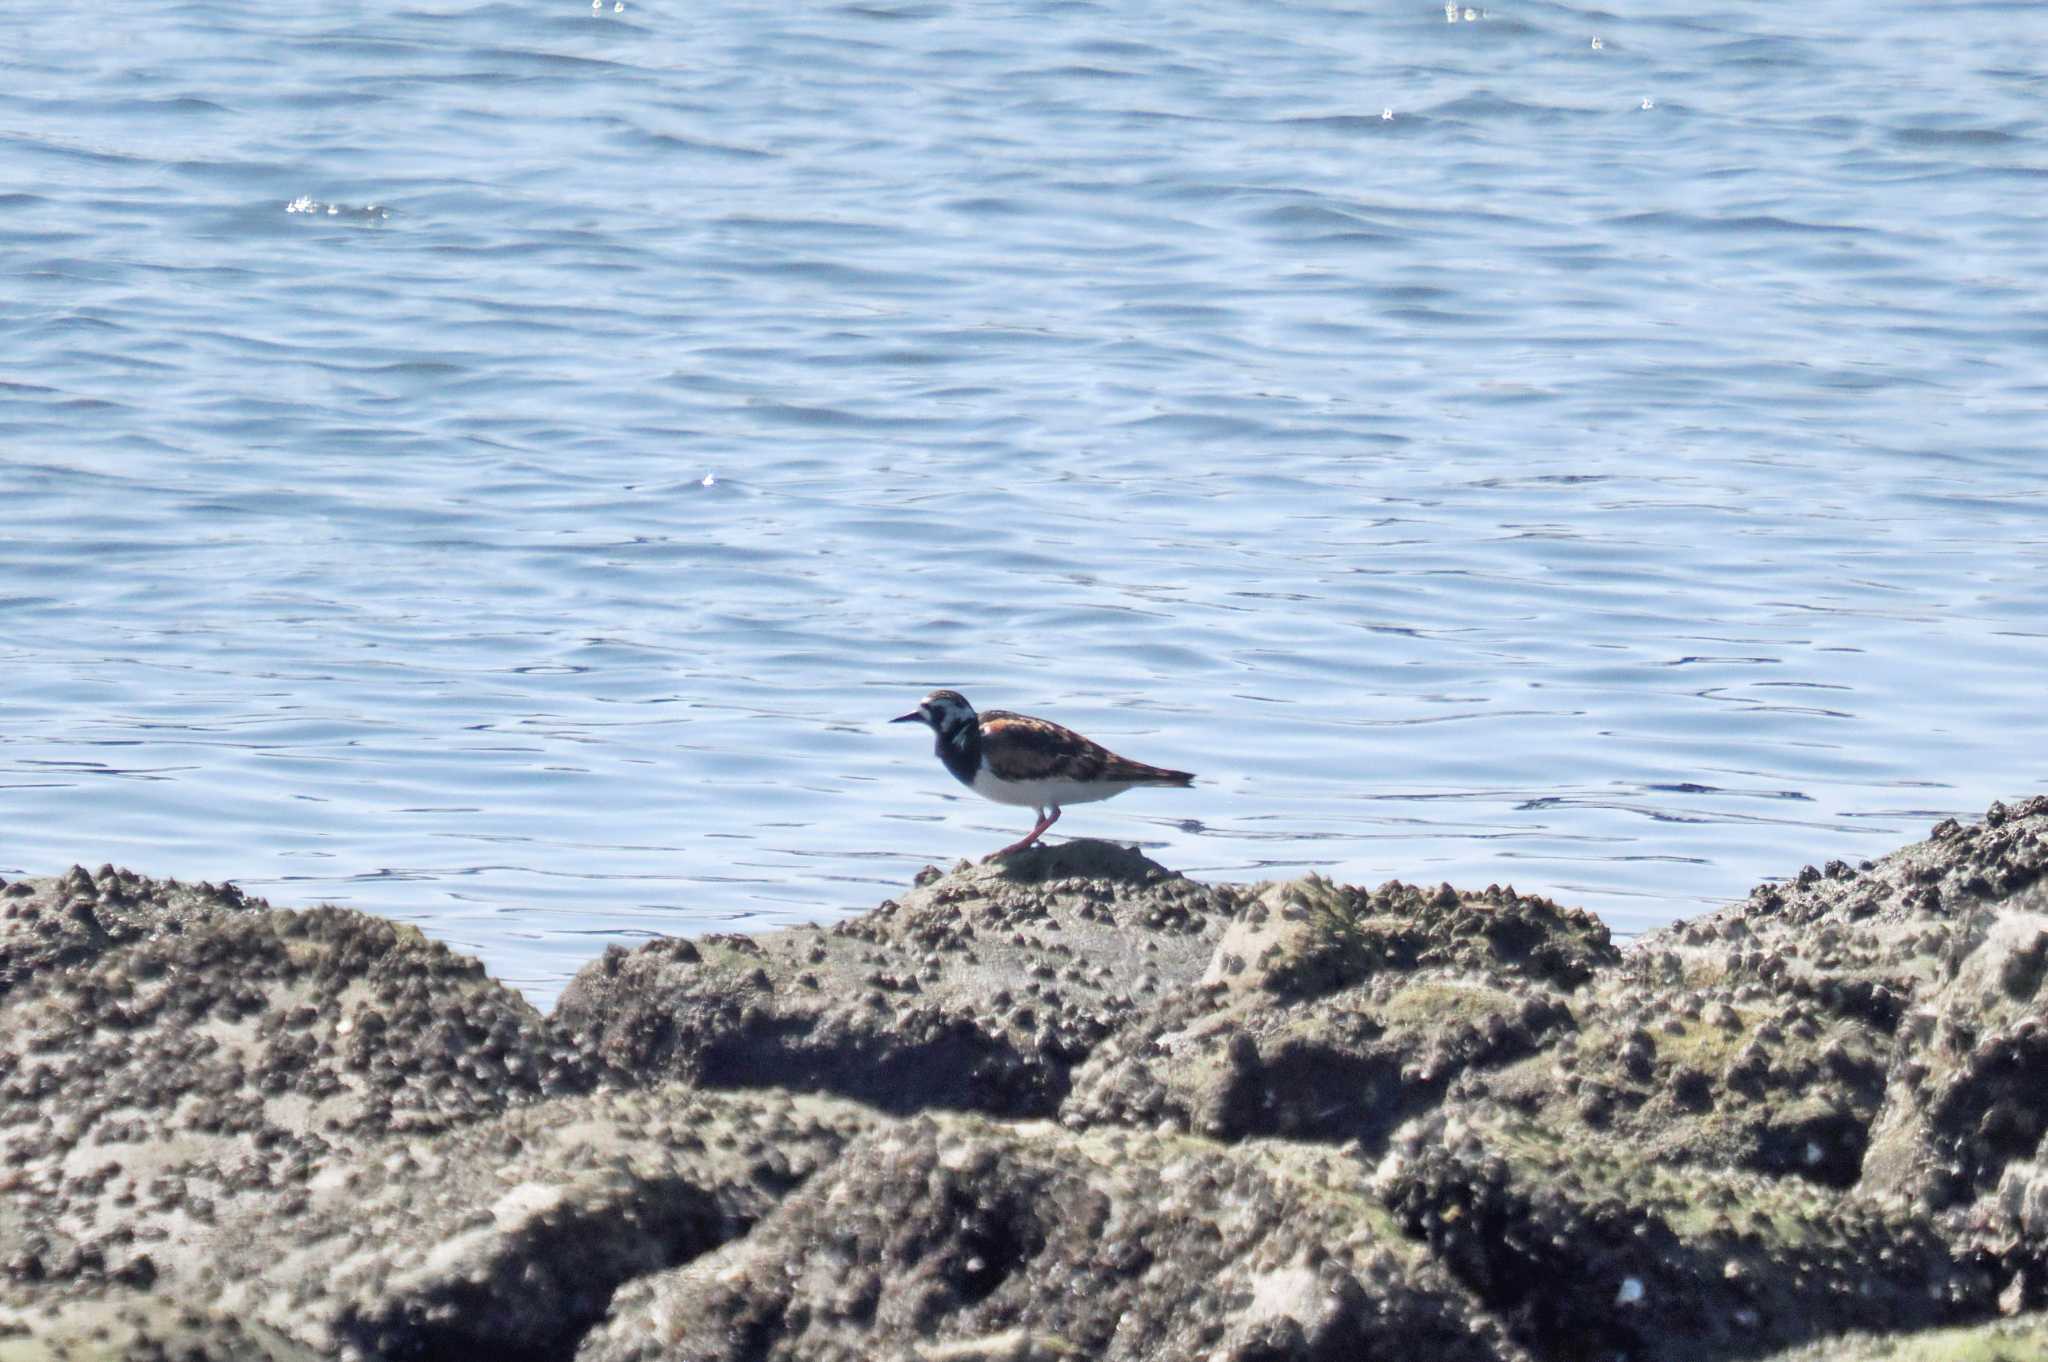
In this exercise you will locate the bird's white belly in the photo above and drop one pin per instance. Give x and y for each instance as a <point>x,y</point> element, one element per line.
<point>1039,794</point>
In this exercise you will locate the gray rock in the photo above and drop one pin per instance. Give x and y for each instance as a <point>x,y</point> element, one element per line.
<point>71,919</point>
<point>1070,1106</point>
<point>507,1238</point>
<point>978,991</point>
<point>124,1324</point>
<point>955,1237</point>
<point>320,1131</point>
<point>1331,1013</point>
<point>1591,1249</point>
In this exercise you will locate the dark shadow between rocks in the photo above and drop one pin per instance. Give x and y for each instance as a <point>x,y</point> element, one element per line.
<point>535,1304</point>
<point>1575,1274</point>
<point>955,1066</point>
<point>1827,1150</point>
<point>1992,1118</point>
<point>1305,1092</point>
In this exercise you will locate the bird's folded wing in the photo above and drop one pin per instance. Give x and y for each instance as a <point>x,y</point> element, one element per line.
<point>1019,747</point>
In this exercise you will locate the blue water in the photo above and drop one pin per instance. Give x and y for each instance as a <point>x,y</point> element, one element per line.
<point>501,465</point>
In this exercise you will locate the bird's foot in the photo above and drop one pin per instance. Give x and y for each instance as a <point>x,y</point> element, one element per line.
<point>1045,820</point>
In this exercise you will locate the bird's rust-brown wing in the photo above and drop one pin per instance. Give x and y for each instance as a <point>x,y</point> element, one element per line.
<point>1019,747</point>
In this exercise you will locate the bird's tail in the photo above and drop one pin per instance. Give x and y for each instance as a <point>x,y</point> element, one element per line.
<point>1159,775</point>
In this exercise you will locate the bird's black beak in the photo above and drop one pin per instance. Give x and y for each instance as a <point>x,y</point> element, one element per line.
<point>916,716</point>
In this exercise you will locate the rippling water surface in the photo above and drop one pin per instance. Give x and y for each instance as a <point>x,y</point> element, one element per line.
<point>501,465</point>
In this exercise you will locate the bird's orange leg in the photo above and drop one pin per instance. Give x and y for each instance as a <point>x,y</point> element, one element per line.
<point>1045,820</point>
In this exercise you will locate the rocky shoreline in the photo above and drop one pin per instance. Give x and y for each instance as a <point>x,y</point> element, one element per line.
<point>1075,1106</point>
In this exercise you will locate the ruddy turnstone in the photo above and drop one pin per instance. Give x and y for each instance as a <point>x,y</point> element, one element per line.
<point>1016,759</point>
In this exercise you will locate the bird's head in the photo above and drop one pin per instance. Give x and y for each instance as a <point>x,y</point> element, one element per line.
<point>945,712</point>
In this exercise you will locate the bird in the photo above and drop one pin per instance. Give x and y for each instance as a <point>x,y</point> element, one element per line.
<point>1036,763</point>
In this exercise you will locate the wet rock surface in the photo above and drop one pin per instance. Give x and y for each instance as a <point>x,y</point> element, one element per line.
<point>1072,1105</point>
